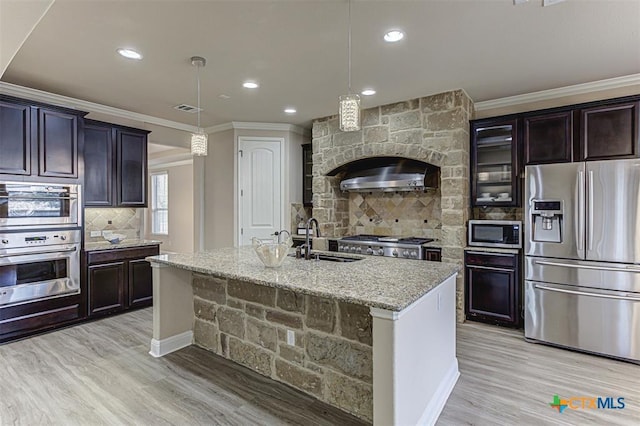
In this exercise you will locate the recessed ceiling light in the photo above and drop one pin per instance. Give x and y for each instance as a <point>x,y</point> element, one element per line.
<point>129,53</point>
<point>393,36</point>
<point>250,84</point>
<point>368,92</point>
<point>290,110</point>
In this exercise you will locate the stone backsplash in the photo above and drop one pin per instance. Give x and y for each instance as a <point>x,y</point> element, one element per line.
<point>416,214</point>
<point>433,129</point>
<point>126,221</point>
<point>299,213</point>
<point>331,359</point>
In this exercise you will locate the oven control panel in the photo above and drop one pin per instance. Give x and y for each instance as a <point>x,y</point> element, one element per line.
<point>35,238</point>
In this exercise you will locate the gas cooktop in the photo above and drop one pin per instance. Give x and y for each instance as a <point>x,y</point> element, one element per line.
<point>383,239</point>
<point>376,245</point>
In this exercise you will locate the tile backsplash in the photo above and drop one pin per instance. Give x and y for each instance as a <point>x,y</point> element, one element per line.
<point>127,221</point>
<point>299,213</point>
<point>406,214</point>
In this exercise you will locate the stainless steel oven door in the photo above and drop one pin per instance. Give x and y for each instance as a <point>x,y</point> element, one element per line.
<point>30,274</point>
<point>25,205</point>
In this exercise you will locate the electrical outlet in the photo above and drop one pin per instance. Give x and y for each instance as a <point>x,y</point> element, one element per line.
<point>96,233</point>
<point>291,338</point>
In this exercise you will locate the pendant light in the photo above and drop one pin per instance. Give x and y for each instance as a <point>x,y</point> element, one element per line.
<point>198,139</point>
<point>349,106</point>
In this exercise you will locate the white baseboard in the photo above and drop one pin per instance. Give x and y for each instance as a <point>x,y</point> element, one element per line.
<point>170,344</point>
<point>437,403</point>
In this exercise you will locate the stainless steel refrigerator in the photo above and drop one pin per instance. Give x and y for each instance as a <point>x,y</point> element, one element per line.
<point>582,256</point>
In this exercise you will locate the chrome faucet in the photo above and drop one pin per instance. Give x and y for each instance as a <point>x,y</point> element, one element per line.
<point>307,241</point>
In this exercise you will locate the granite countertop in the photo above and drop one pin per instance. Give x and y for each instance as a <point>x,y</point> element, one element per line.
<point>493,250</point>
<point>374,281</point>
<point>106,245</point>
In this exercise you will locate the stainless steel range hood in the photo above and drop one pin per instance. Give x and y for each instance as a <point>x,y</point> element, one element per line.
<point>387,174</point>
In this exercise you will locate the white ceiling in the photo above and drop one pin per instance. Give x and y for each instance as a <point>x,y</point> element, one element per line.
<point>297,51</point>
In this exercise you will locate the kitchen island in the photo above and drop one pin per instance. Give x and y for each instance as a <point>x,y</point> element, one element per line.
<point>375,337</point>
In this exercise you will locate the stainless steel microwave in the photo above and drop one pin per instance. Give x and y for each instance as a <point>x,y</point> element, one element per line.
<point>495,233</point>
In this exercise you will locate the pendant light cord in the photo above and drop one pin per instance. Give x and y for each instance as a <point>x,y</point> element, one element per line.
<point>198,78</point>
<point>349,49</point>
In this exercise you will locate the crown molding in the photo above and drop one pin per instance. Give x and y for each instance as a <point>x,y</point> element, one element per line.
<point>79,104</point>
<point>250,125</point>
<point>578,89</point>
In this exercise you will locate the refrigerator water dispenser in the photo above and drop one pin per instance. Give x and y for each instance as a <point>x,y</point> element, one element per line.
<point>546,218</point>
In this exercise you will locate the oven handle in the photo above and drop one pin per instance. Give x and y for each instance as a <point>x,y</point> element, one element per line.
<point>35,197</point>
<point>31,253</point>
<point>587,293</point>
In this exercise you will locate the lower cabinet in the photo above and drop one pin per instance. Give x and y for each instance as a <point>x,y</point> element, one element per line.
<point>493,288</point>
<point>36,317</point>
<point>119,279</point>
<point>433,254</point>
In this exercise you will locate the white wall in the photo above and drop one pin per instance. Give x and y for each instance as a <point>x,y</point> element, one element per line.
<point>179,167</point>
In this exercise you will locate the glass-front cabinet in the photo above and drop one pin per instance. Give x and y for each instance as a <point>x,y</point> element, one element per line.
<point>494,164</point>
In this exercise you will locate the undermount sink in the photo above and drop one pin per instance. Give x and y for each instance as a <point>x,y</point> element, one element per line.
<point>331,258</point>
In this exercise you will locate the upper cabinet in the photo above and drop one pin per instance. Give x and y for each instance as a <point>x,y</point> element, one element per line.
<point>548,138</point>
<point>494,162</point>
<point>595,131</point>
<point>38,139</point>
<point>307,175</point>
<point>609,131</point>
<point>15,138</point>
<point>115,166</point>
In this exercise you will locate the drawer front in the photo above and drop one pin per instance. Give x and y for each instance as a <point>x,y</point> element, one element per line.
<point>105,256</point>
<point>499,260</point>
<point>38,320</point>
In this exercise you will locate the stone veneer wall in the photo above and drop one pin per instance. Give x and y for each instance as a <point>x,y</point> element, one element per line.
<point>126,221</point>
<point>248,323</point>
<point>434,129</point>
<point>299,213</point>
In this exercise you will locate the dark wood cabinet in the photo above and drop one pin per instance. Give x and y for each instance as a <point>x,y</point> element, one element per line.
<point>22,320</point>
<point>493,288</point>
<point>609,131</point>
<point>433,254</point>
<point>98,165</point>
<point>57,144</point>
<point>548,138</point>
<point>131,168</point>
<point>115,165</point>
<point>307,175</point>
<point>39,140</point>
<point>140,283</point>
<point>119,279</point>
<point>106,287</point>
<point>15,138</point>
<point>495,162</point>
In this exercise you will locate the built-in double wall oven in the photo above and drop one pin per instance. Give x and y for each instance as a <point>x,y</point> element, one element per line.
<point>40,241</point>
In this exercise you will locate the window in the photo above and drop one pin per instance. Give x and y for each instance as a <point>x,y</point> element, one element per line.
<point>160,203</point>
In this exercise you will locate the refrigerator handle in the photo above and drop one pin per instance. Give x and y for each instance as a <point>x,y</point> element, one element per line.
<point>580,213</point>
<point>590,210</point>
<point>628,297</point>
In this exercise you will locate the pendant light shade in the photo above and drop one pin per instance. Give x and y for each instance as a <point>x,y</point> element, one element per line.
<point>199,143</point>
<point>198,139</point>
<point>349,106</point>
<point>349,113</point>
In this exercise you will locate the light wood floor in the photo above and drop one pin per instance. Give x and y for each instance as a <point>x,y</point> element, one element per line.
<point>101,373</point>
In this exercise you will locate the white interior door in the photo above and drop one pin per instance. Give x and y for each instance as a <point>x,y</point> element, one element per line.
<point>260,188</point>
